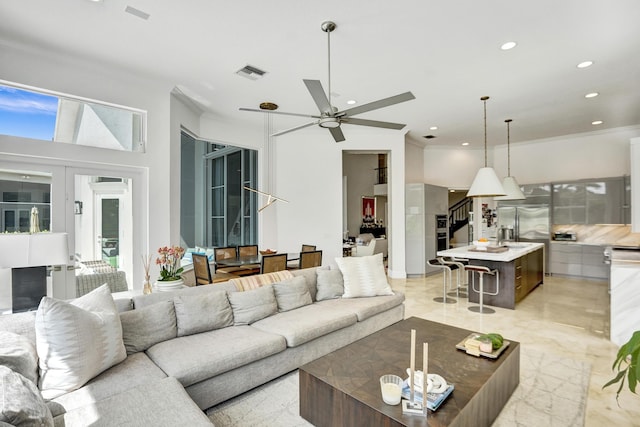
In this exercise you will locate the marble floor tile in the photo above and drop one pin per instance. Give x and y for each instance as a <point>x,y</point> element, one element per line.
<point>565,317</point>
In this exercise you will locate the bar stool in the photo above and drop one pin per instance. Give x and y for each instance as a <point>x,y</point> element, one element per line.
<point>446,271</point>
<point>482,270</point>
<point>457,265</point>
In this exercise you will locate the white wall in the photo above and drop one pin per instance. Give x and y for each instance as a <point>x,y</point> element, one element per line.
<point>414,163</point>
<point>590,155</point>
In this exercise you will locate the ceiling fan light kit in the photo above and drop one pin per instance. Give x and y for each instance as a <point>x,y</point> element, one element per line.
<point>486,182</point>
<point>330,117</point>
<point>511,186</point>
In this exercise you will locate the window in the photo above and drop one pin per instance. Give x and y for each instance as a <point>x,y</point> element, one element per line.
<point>215,210</point>
<point>19,193</point>
<point>37,114</point>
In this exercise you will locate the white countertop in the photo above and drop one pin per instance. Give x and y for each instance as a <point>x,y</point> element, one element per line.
<point>516,250</point>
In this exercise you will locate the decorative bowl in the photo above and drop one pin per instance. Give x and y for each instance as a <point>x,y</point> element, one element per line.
<point>268,252</point>
<point>481,244</point>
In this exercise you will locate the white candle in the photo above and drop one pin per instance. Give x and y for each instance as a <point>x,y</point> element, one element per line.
<point>425,364</point>
<point>391,393</point>
<point>412,363</point>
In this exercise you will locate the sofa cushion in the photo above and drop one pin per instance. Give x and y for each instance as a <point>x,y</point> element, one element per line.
<point>134,370</point>
<point>162,402</point>
<point>306,323</point>
<point>19,354</point>
<point>251,306</point>
<point>365,308</point>
<point>330,284</point>
<point>310,275</point>
<point>201,313</point>
<point>141,300</point>
<point>252,282</point>
<point>20,401</point>
<point>144,327</point>
<point>194,358</point>
<point>292,293</point>
<point>363,276</point>
<point>77,340</point>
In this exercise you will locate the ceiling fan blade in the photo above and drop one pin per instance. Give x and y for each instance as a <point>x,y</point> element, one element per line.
<point>337,134</point>
<point>381,103</point>
<point>318,95</point>
<point>282,132</point>
<point>374,123</point>
<point>278,112</point>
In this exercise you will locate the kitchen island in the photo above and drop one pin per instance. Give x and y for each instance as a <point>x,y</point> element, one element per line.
<point>521,268</point>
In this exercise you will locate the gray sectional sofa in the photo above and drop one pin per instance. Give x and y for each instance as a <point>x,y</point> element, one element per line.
<point>193,348</point>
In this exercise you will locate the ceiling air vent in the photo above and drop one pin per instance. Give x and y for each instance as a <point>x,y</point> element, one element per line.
<point>429,136</point>
<point>251,72</point>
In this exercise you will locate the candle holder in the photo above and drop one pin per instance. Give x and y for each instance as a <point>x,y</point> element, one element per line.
<point>411,406</point>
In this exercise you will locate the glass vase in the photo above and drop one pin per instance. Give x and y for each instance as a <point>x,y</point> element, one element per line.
<point>146,287</point>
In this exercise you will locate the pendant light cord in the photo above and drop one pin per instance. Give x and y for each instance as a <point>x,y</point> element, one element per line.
<point>484,99</point>
<point>508,121</point>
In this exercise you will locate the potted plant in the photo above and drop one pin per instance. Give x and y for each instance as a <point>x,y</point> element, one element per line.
<point>170,270</point>
<point>626,364</point>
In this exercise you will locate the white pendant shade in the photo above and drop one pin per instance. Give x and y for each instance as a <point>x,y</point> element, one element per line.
<point>512,189</point>
<point>486,184</point>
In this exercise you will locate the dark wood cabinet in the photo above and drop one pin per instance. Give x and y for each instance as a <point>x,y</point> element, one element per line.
<point>517,279</point>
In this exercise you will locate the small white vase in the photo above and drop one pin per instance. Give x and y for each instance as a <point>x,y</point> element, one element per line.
<point>168,285</point>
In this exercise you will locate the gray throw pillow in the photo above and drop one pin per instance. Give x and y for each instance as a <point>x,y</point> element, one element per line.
<point>251,306</point>
<point>19,354</point>
<point>330,284</point>
<point>146,326</point>
<point>292,293</point>
<point>201,313</point>
<point>21,403</point>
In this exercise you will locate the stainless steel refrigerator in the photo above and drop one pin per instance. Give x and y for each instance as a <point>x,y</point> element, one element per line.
<point>530,223</point>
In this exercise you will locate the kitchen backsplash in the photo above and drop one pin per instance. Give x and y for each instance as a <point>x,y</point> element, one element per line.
<point>601,234</point>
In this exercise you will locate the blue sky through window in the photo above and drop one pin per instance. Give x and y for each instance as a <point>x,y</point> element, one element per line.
<point>27,114</point>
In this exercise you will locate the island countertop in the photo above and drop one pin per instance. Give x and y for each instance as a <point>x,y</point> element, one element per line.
<point>516,250</point>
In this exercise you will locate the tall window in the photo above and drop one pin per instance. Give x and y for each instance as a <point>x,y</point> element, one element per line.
<point>215,209</point>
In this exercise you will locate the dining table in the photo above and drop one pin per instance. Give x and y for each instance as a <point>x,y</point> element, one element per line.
<point>249,260</point>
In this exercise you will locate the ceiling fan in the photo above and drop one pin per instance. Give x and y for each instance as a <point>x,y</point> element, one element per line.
<point>330,118</point>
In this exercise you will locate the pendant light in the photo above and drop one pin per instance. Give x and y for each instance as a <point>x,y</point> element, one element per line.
<point>509,183</point>
<point>486,182</point>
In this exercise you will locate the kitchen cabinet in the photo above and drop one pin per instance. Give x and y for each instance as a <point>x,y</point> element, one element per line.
<point>574,259</point>
<point>594,201</point>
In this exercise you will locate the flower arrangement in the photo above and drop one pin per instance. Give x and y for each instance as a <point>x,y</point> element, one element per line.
<point>169,261</point>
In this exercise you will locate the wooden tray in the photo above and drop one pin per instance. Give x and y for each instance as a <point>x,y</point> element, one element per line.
<point>493,355</point>
<point>491,249</point>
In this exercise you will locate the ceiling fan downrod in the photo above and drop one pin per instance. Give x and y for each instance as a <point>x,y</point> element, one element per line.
<point>328,27</point>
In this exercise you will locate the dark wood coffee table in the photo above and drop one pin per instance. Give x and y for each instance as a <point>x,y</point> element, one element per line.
<point>343,387</point>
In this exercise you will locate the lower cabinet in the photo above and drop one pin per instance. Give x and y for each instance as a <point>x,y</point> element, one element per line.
<point>574,259</point>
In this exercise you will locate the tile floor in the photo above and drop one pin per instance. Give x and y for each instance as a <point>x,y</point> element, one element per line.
<point>565,316</point>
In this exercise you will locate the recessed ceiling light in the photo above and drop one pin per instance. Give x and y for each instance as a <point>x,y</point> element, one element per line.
<point>591,95</point>
<point>352,101</point>
<point>508,45</point>
<point>465,144</point>
<point>597,122</point>
<point>433,128</point>
<point>452,191</point>
<point>585,64</point>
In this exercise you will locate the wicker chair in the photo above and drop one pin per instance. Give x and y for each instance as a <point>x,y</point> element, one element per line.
<point>310,259</point>
<point>273,263</point>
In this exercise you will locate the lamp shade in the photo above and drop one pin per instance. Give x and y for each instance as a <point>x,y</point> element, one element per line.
<point>33,250</point>
<point>512,189</point>
<point>486,184</point>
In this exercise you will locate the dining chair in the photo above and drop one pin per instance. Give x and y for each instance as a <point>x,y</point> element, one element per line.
<point>249,251</point>
<point>226,253</point>
<point>308,248</point>
<point>201,269</point>
<point>295,264</point>
<point>272,263</point>
<point>310,259</point>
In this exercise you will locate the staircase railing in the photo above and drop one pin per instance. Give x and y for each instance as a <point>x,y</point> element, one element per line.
<point>459,215</point>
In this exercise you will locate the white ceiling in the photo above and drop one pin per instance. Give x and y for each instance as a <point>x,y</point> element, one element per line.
<point>446,52</point>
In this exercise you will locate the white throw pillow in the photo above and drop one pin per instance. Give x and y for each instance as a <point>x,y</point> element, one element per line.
<point>363,276</point>
<point>77,340</point>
